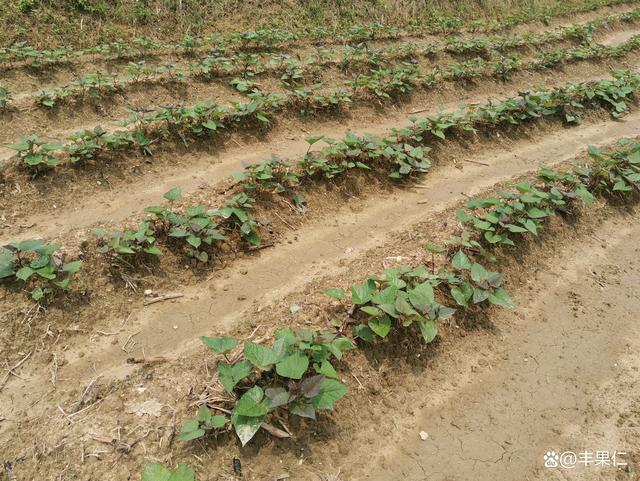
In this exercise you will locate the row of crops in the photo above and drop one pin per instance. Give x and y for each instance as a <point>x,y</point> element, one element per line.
<point>207,118</point>
<point>366,64</point>
<point>273,38</point>
<point>197,230</point>
<point>243,68</point>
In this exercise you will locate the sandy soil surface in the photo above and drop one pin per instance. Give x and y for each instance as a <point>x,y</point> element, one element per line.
<point>486,401</point>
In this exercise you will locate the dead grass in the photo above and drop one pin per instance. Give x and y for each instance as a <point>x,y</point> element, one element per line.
<point>44,23</point>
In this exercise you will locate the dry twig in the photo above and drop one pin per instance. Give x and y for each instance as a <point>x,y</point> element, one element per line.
<point>165,297</point>
<point>11,370</point>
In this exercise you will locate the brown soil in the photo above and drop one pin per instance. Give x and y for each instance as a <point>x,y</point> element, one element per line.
<point>494,393</point>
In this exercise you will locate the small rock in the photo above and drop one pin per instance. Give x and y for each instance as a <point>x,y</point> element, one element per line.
<point>424,436</point>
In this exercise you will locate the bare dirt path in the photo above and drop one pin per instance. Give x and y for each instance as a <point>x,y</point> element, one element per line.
<point>569,19</point>
<point>561,374</point>
<point>617,37</point>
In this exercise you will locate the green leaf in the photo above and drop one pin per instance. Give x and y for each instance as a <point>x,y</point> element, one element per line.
<point>6,270</point>
<point>203,414</point>
<point>371,310</point>
<point>18,146</point>
<point>194,241</point>
<point>37,294</point>
<point>156,472</point>
<point>585,195</point>
<point>312,139</point>
<point>285,335</point>
<point>278,396</point>
<point>391,308</point>
<point>250,404</point>
<point>191,430</point>
<point>262,117</point>
<point>536,213</point>
<point>463,216</point>
<point>622,186</point>
<point>293,366</point>
<point>182,473</point>
<point>246,427</point>
<point>501,298</point>
<point>480,295</point>
<point>483,203</point>
<point>260,356</point>
<point>494,278</point>
<point>339,345</point>
<point>445,312</point>
<point>462,294</point>
<point>29,245</point>
<point>46,272</point>
<point>305,410</point>
<point>330,392</point>
<point>220,345</point>
<point>336,293</point>
<point>173,194</point>
<point>229,375</point>
<point>361,293</point>
<point>153,250</point>
<point>634,157</point>
<point>210,124</point>
<point>460,261</point>
<point>380,325</point>
<point>594,152</point>
<point>531,226</point>
<point>155,209</point>
<point>428,329</point>
<point>385,296</point>
<point>218,422</point>
<point>363,332</point>
<point>24,273</point>
<point>7,263</point>
<point>326,369</point>
<point>40,262</point>
<point>422,295</point>
<point>64,284</point>
<point>436,249</point>
<point>478,273</point>
<point>72,267</point>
